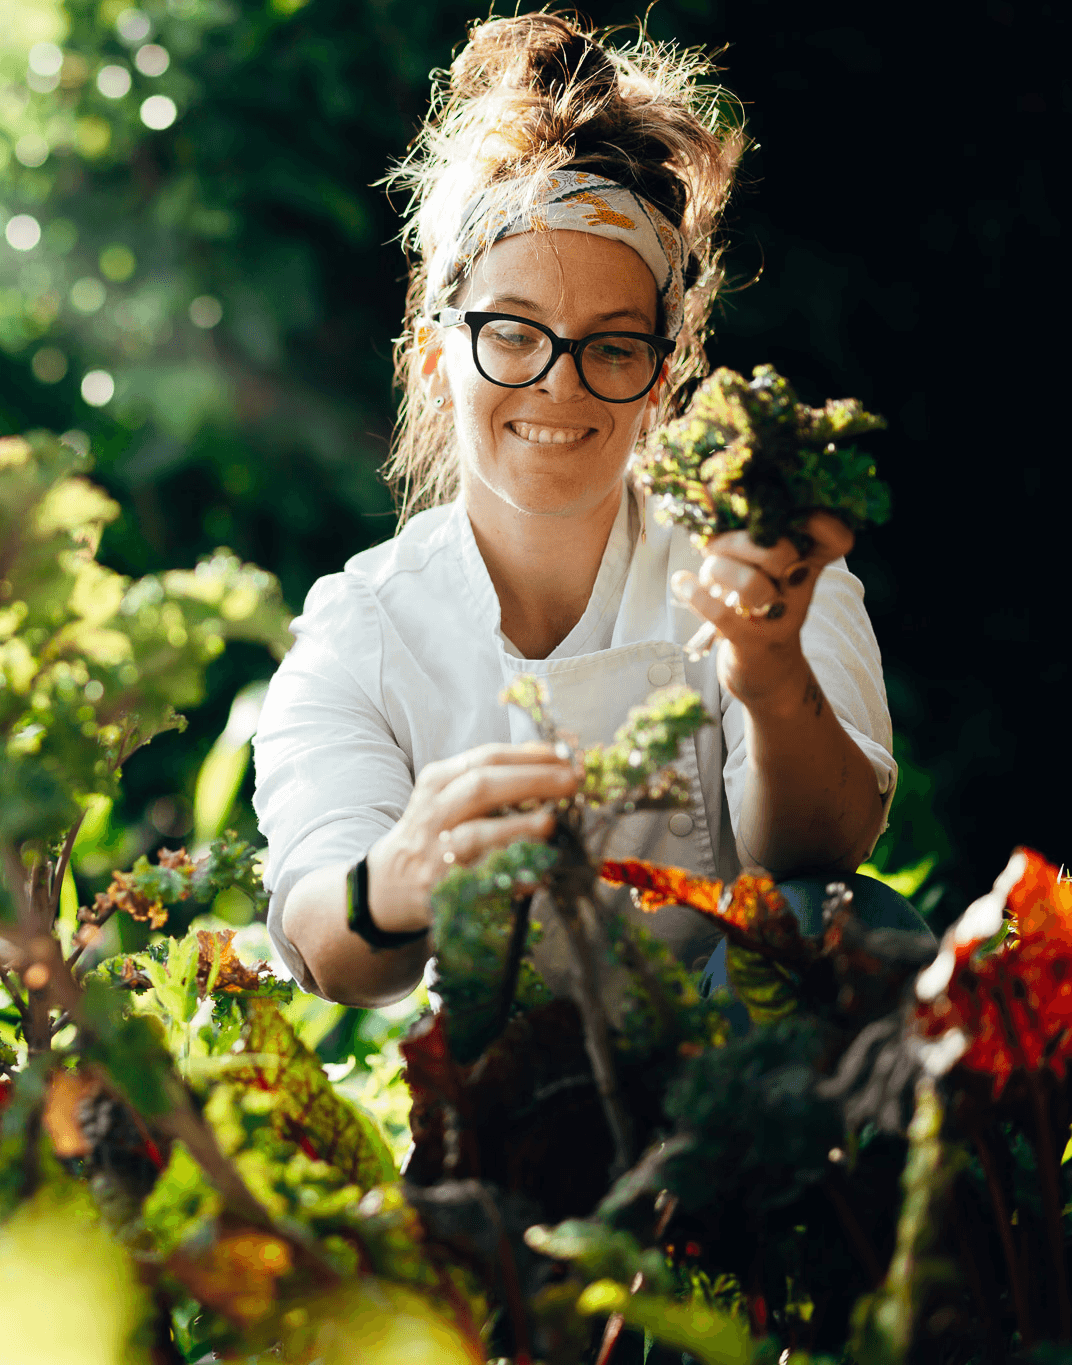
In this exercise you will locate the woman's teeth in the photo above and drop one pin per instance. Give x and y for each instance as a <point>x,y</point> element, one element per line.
<point>547,436</point>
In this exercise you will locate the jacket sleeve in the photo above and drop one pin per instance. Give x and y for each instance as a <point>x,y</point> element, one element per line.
<point>331,776</point>
<point>839,644</point>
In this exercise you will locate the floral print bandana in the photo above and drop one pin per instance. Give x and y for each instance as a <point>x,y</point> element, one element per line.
<point>576,200</point>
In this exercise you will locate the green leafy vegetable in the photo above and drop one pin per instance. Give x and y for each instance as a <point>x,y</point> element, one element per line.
<point>750,456</point>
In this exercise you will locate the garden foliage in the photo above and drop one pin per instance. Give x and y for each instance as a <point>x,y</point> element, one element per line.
<point>855,1152</point>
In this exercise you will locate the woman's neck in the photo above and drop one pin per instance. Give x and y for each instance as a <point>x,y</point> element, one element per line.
<point>543,566</point>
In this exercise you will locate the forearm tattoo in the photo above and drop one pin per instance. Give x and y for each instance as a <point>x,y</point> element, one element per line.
<point>813,695</point>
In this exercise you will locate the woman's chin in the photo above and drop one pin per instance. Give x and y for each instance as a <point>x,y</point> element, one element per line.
<point>553,496</point>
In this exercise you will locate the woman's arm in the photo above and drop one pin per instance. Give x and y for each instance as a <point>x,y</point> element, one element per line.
<point>811,798</point>
<point>450,818</point>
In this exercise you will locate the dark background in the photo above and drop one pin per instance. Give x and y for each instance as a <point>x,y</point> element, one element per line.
<point>901,199</point>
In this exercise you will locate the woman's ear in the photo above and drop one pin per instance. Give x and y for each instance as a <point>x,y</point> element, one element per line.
<point>653,399</point>
<point>429,347</point>
<point>433,379</point>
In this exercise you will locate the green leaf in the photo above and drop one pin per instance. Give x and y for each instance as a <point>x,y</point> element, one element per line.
<point>602,1252</point>
<point>766,989</point>
<point>884,1322</point>
<point>218,782</point>
<point>714,1338</point>
<point>306,1105</point>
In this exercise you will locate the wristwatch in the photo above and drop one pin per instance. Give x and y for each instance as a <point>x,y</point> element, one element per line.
<point>360,920</point>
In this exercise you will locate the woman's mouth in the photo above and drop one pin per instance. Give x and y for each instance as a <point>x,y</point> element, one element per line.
<point>547,436</point>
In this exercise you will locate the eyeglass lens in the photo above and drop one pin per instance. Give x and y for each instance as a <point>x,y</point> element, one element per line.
<point>616,367</point>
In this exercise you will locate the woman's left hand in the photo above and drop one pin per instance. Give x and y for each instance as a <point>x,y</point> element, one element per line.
<point>755,600</point>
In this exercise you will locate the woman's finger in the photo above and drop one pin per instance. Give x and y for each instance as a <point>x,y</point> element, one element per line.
<point>468,842</point>
<point>734,591</point>
<point>832,537</point>
<point>434,777</point>
<point>482,791</point>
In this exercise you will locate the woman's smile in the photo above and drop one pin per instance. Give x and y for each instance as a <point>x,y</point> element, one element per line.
<point>543,434</point>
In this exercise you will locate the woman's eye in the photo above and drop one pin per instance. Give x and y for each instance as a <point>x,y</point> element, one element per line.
<point>614,352</point>
<point>516,338</point>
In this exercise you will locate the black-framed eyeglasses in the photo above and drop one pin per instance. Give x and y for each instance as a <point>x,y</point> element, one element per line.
<point>513,352</point>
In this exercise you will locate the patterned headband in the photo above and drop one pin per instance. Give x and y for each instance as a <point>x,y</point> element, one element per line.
<point>572,199</point>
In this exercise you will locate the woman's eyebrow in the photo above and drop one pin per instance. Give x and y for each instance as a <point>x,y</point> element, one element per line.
<point>500,301</point>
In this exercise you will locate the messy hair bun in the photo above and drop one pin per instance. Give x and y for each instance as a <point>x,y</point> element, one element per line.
<point>530,96</point>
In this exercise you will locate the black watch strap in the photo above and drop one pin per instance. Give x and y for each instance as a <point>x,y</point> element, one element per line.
<point>360,920</point>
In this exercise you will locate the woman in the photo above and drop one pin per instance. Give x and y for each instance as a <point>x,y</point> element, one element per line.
<point>566,198</point>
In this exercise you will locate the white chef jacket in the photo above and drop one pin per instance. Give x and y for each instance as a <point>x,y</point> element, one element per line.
<point>399,660</point>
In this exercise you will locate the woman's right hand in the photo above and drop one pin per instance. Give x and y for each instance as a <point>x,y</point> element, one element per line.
<point>451,818</point>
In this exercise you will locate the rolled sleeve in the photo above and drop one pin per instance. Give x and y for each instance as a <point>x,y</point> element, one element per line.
<point>331,777</point>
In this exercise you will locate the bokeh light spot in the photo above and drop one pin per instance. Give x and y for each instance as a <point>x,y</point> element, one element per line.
<point>152,59</point>
<point>206,311</point>
<point>23,232</point>
<point>98,388</point>
<point>158,112</point>
<point>133,26</point>
<point>113,82</point>
<point>49,365</point>
<point>42,85</point>
<point>87,294</point>
<point>45,59</point>
<point>93,134</point>
<point>31,150</point>
<point>117,262</point>
<point>77,440</point>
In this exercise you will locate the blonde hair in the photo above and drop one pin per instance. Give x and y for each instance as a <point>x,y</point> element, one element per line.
<point>529,96</point>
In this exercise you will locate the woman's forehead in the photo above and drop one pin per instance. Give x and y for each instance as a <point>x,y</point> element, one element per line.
<point>564,269</point>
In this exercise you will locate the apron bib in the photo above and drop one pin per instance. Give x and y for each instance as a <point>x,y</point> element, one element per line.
<point>590,697</point>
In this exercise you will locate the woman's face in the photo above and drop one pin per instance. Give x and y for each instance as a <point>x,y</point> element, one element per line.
<point>552,449</point>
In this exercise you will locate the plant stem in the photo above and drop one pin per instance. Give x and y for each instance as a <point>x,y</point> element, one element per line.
<point>1049,1175</point>
<point>507,1268</point>
<point>8,983</point>
<point>1001,1213</point>
<point>58,870</point>
<point>570,888</point>
<point>611,1333</point>
<point>77,951</point>
<point>514,953</point>
<point>597,1037</point>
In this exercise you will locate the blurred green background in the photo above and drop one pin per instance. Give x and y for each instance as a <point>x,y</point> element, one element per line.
<point>197,282</point>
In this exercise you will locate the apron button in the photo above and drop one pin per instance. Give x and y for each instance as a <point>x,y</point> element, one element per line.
<point>659,674</point>
<point>680,824</point>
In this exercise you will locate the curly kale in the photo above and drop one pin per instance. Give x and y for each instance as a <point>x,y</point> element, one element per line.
<point>750,456</point>
<point>474,912</point>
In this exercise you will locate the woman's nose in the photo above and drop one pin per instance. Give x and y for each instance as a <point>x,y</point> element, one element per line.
<point>563,379</point>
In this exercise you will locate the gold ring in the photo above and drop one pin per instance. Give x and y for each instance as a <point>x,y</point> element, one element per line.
<point>770,611</point>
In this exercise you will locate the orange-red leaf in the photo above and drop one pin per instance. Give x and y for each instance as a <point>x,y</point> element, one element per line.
<point>218,962</point>
<point>236,1275</point>
<point>656,886</point>
<point>751,910</point>
<point>66,1091</point>
<point>1013,1006</point>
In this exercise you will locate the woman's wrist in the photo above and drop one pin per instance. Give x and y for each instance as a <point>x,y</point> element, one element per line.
<point>774,685</point>
<point>359,915</point>
<point>392,888</point>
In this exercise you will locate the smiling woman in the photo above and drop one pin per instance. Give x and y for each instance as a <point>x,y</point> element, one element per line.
<point>566,197</point>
